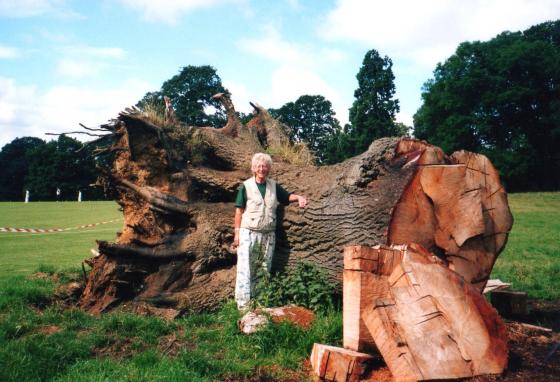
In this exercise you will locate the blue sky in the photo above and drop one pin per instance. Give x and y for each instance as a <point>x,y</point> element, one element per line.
<point>65,62</point>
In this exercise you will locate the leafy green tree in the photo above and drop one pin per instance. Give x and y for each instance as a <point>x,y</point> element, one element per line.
<point>311,119</point>
<point>14,165</point>
<point>402,130</point>
<point>372,114</point>
<point>191,94</point>
<point>501,98</point>
<point>59,164</point>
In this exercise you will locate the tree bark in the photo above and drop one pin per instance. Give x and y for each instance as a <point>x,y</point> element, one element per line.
<point>177,184</point>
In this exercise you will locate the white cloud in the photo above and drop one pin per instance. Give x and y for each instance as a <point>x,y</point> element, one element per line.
<point>168,11</point>
<point>290,82</point>
<point>239,96</point>
<point>99,52</point>
<point>8,52</point>
<point>429,31</point>
<point>296,69</point>
<point>272,47</point>
<point>81,61</point>
<point>24,111</point>
<point>30,8</point>
<point>405,118</point>
<point>24,8</point>
<point>293,4</point>
<point>77,68</point>
<point>13,100</point>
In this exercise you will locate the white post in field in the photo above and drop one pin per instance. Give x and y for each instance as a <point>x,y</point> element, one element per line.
<point>26,196</point>
<point>79,196</point>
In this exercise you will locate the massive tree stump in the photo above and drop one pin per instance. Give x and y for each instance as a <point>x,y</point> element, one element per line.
<point>176,186</point>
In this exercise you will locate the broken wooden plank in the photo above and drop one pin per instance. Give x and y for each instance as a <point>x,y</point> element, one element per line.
<point>359,290</point>
<point>364,280</point>
<point>336,364</point>
<point>495,284</point>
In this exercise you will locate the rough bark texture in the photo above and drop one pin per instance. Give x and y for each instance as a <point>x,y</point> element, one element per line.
<point>176,186</point>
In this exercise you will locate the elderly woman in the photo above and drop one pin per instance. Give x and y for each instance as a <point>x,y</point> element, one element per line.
<point>255,225</point>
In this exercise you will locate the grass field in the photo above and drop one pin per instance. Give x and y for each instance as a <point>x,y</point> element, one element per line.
<point>531,259</point>
<point>43,341</point>
<point>22,253</point>
<point>40,341</point>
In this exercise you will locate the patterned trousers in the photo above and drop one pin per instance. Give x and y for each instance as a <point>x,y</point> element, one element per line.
<point>255,250</point>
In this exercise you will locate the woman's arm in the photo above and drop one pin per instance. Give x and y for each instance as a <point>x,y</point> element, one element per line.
<point>302,201</point>
<point>237,225</point>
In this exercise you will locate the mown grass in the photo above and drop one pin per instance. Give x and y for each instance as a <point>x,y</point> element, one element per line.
<point>126,347</point>
<point>21,253</point>
<point>41,340</point>
<point>531,259</point>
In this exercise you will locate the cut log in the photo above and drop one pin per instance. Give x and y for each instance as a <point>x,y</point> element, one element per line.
<point>458,210</point>
<point>510,303</point>
<point>433,325</point>
<point>176,185</point>
<point>336,364</point>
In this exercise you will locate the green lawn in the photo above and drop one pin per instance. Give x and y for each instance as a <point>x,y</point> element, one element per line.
<point>22,253</point>
<point>531,259</point>
<point>42,341</point>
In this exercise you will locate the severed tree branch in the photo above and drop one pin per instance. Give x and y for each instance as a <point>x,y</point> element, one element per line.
<point>80,132</point>
<point>95,129</point>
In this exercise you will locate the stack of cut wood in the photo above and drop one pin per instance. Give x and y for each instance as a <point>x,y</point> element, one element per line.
<point>425,319</point>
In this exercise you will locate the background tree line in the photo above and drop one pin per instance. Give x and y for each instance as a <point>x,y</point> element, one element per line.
<point>41,167</point>
<point>499,97</point>
<point>310,118</point>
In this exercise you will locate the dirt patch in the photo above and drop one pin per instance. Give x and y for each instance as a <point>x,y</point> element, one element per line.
<point>45,276</point>
<point>253,321</point>
<point>252,378</point>
<point>168,314</point>
<point>528,352</point>
<point>530,355</point>
<point>49,329</point>
<point>119,349</point>
<point>295,314</point>
<point>172,344</point>
<point>271,374</point>
<point>545,313</point>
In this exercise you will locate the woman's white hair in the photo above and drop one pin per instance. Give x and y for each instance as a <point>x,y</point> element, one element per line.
<point>260,158</point>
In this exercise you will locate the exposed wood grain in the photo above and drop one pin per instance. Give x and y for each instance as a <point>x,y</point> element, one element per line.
<point>335,364</point>
<point>433,325</point>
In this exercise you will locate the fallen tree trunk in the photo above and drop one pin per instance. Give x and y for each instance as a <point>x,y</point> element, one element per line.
<point>176,186</point>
